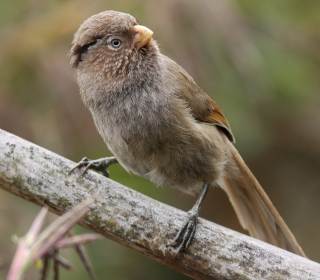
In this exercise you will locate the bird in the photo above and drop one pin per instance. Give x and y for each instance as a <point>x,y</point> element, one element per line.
<point>161,125</point>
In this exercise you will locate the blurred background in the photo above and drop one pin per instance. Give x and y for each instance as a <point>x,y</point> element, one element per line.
<point>259,59</point>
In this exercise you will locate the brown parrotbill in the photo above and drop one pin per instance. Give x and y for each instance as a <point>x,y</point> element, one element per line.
<point>161,125</point>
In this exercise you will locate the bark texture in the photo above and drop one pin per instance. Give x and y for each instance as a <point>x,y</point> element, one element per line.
<point>142,223</point>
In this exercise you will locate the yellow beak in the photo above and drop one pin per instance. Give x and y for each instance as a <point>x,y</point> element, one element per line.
<point>142,36</point>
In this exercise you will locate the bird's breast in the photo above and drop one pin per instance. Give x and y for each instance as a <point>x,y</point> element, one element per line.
<point>135,130</point>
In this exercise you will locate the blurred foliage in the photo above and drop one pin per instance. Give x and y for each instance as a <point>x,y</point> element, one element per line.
<point>259,59</point>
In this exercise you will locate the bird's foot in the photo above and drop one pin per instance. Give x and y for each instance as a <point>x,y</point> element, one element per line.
<point>186,234</point>
<point>101,165</point>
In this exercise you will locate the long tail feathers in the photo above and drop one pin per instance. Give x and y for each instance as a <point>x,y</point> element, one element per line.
<point>253,207</point>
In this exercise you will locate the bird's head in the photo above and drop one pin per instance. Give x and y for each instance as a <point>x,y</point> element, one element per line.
<point>113,43</point>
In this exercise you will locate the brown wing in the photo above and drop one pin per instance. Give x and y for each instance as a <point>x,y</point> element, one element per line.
<point>203,107</point>
<point>213,115</point>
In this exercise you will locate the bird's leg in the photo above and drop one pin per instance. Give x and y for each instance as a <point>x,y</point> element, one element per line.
<point>101,165</point>
<point>185,235</point>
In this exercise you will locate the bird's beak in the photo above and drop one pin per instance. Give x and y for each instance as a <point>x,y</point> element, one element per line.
<point>142,36</point>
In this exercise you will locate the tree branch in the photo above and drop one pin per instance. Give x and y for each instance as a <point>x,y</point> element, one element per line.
<point>139,222</point>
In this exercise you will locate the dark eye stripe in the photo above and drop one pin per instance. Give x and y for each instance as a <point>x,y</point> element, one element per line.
<point>80,50</point>
<point>84,48</point>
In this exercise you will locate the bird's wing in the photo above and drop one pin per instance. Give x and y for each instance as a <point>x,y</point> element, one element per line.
<point>203,107</point>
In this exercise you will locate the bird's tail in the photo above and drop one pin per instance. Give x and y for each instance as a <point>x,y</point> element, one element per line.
<point>253,207</point>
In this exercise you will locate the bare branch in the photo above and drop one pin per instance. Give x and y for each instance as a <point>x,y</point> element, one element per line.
<point>44,245</point>
<point>58,229</point>
<point>63,262</point>
<point>140,222</point>
<point>45,268</point>
<point>81,251</point>
<point>77,240</point>
<point>22,254</point>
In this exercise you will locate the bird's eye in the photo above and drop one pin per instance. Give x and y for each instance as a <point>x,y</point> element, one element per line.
<point>115,43</point>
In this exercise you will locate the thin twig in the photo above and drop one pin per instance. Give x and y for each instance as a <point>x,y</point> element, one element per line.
<point>59,228</point>
<point>21,257</point>
<point>36,245</point>
<point>63,262</point>
<point>56,267</point>
<point>85,260</point>
<point>45,267</point>
<point>77,239</point>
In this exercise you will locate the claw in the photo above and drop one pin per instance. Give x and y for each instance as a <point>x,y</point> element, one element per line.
<point>186,234</point>
<point>81,163</point>
<point>101,165</point>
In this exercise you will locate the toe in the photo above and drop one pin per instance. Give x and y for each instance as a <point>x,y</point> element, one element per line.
<point>185,235</point>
